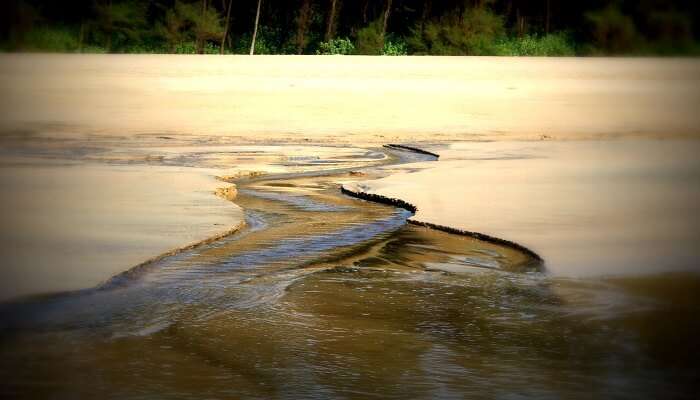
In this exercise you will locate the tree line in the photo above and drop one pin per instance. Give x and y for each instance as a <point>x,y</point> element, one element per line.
<point>378,27</point>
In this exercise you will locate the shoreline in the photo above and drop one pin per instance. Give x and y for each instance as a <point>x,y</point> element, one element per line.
<point>160,200</point>
<point>376,198</point>
<point>589,208</point>
<point>121,277</point>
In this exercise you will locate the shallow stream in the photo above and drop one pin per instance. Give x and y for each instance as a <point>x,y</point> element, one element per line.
<point>325,296</point>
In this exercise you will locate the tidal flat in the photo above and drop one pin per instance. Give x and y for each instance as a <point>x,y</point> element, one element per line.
<point>171,239</point>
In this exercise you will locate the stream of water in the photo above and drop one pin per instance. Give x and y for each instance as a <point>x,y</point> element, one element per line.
<point>324,296</point>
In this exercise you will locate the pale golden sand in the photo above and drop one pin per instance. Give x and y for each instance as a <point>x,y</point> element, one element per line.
<point>72,227</point>
<point>349,99</point>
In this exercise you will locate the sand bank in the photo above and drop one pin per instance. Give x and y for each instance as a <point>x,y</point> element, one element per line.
<point>588,208</point>
<point>72,227</point>
<point>77,212</point>
<point>349,99</point>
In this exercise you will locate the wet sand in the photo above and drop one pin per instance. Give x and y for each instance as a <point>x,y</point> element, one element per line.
<point>326,296</point>
<point>588,208</point>
<point>72,227</point>
<point>80,212</point>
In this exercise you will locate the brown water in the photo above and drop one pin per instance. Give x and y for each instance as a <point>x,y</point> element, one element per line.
<point>324,296</point>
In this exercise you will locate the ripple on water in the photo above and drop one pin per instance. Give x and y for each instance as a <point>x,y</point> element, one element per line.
<point>351,307</point>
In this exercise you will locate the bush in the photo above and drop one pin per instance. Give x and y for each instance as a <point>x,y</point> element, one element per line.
<point>394,48</point>
<point>370,40</point>
<point>548,45</point>
<point>476,33</point>
<point>342,46</point>
<point>185,48</point>
<point>671,32</point>
<point>268,41</point>
<point>191,48</point>
<point>51,39</point>
<point>94,49</point>
<point>613,32</point>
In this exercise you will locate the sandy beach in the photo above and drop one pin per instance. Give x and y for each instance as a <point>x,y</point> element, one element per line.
<point>124,129</point>
<point>351,99</point>
<point>107,161</point>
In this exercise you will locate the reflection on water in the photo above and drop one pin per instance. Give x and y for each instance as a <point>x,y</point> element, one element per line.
<point>346,301</point>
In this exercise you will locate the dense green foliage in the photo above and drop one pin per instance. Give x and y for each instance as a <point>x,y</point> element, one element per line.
<point>370,40</point>
<point>394,48</point>
<point>474,33</point>
<point>372,27</point>
<point>556,44</point>
<point>339,46</point>
<point>57,39</point>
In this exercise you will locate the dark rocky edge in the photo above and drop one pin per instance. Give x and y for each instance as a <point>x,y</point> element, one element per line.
<point>479,236</point>
<point>409,148</point>
<point>377,198</point>
<point>124,277</point>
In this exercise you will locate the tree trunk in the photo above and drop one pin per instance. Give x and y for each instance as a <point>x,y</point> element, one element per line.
<point>387,11</point>
<point>81,37</point>
<point>228,19</point>
<point>509,10</point>
<point>519,22</point>
<point>108,46</point>
<point>427,5</point>
<point>199,39</point>
<point>330,27</point>
<point>255,29</point>
<point>365,6</point>
<point>303,20</point>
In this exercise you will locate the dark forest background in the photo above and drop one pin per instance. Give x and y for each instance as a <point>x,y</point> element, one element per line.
<point>379,27</point>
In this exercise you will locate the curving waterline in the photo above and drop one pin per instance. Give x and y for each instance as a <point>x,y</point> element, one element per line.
<point>123,277</point>
<point>377,198</point>
<point>412,149</point>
